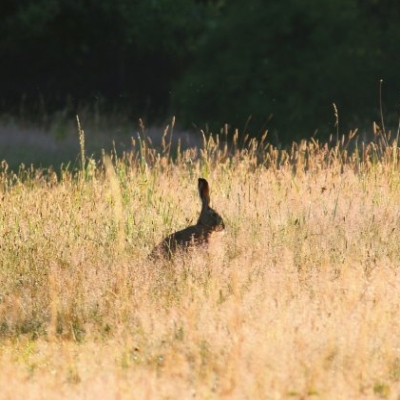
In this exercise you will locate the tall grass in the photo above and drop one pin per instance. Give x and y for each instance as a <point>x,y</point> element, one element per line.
<point>300,297</point>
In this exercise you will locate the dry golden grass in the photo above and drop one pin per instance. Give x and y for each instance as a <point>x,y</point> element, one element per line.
<point>299,299</point>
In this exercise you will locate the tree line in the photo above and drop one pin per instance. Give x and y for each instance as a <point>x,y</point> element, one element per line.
<point>255,65</point>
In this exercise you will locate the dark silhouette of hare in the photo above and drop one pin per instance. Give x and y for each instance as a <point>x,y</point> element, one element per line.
<point>209,221</point>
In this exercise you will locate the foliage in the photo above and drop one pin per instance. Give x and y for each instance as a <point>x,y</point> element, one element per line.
<point>207,62</point>
<point>125,51</point>
<point>285,63</point>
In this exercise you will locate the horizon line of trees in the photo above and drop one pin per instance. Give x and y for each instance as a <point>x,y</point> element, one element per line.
<point>255,65</point>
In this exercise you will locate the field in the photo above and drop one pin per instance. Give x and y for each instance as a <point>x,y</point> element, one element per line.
<point>298,299</point>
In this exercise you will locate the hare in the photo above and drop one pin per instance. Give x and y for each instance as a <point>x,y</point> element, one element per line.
<point>209,221</point>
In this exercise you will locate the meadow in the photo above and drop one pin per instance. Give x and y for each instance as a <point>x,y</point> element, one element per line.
<point>298,299</point>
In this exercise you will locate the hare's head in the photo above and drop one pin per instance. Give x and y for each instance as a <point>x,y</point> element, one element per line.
<point>209,218</point>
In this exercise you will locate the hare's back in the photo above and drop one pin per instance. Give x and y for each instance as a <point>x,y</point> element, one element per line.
<point>186,237</point>
<point>180,240</point>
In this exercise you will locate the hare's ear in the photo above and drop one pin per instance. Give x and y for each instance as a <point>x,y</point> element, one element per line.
<point>204,191</point>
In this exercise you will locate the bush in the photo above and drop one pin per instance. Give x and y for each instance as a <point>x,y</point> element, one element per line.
<point>285,63</point>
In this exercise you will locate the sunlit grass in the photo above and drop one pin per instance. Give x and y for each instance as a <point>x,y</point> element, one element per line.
<point>299,298</point>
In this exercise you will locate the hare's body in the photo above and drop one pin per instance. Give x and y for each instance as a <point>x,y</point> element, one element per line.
<point>209,221</point>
